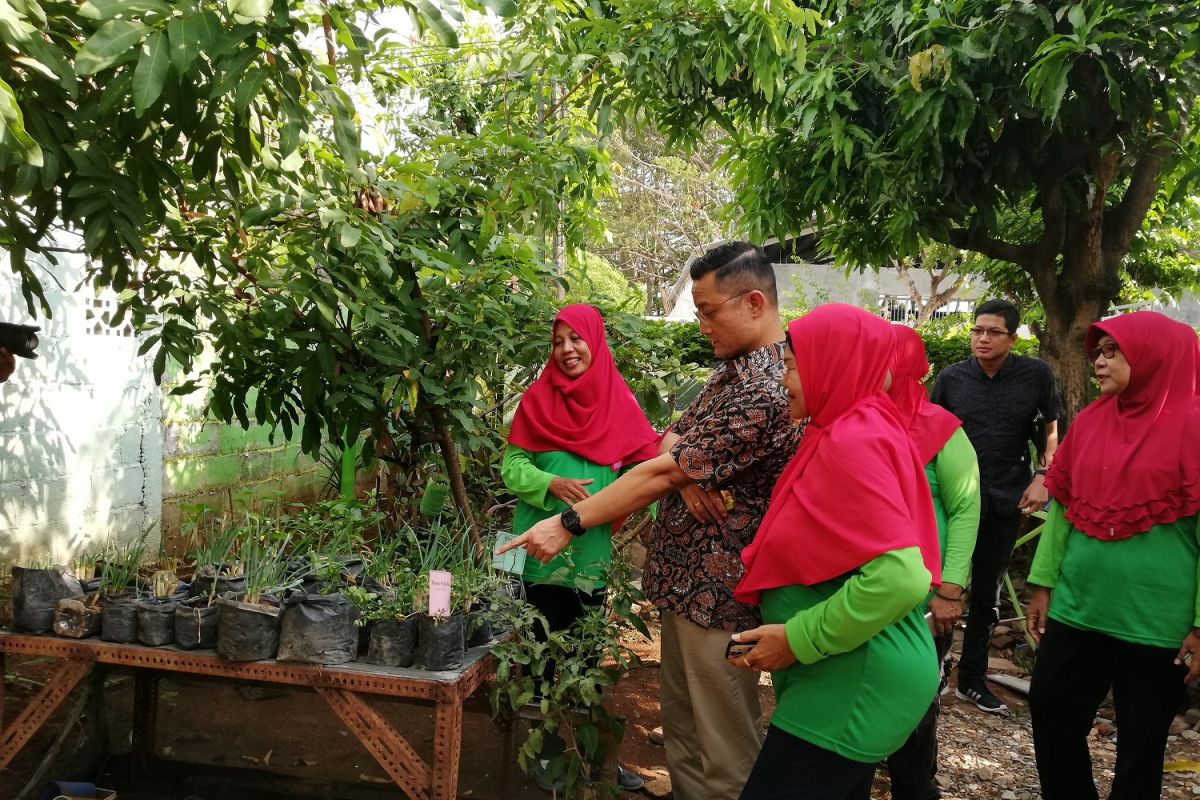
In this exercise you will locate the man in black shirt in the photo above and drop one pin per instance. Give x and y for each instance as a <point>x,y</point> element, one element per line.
<point>998,396</point>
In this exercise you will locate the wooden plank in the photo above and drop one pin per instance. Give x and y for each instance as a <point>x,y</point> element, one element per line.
<point>390,749</point>
<point>447,749</point>
<point>39,709</point>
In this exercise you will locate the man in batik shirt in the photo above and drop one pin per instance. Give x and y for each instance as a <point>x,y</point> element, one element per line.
<point>716,471</point>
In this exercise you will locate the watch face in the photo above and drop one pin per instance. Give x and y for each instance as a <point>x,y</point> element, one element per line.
<point>570,521</point>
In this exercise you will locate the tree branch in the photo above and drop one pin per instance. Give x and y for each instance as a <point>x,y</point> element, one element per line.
<point>976,240</point>
<point>1122,221</point>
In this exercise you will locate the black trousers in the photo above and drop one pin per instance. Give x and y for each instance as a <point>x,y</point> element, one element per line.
<point>993,549</point>
<point>1072,675</point>
<point>913,768</point>
<point>561,606</point>
<point>789,768</point>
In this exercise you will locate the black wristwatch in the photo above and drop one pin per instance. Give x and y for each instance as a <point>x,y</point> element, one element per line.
<point>570,521</point>
<point>1039,471</point>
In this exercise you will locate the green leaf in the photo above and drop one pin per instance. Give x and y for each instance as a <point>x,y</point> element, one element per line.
<point>111,9</point>
<point>109,45</point>
<point>185,35</point>
<point>246,11</point>
<point>14,127</point>
<point>151,72</point>
<point>430,16</point>
<point>349,235</point>
<point>1077,16</point>
<point>501,8</point>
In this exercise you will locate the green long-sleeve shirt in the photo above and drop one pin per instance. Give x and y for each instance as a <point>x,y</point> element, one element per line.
<point>866,667</point>
<point>528,475</point>
<point>1144,589</point>
<point>953,476</point>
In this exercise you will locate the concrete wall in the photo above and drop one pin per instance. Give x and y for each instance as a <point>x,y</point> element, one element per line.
<point>210,464</point>
<point>91,448</point>
<point>80,439</point>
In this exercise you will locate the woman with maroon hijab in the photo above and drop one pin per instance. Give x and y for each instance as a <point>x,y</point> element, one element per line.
<point>847,551</point>
<point>577,426</point>
<point>1116,603</point>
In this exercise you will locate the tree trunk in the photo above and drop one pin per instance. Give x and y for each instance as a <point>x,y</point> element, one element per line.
<point>1062,349</point>
<point>1073,300</point>
<point>458,484</point>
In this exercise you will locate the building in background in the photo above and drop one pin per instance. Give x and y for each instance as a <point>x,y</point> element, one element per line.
<point>807,278</point>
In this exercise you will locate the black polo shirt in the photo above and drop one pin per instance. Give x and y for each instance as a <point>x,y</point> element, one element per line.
<point>997,415</point>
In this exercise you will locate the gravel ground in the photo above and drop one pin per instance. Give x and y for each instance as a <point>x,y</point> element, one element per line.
<point>986,756</point>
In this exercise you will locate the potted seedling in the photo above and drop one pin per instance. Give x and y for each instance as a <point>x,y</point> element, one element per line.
<point>119,592</point>
<point>318,627</point>
<point>214,553</point>
<point>393,640</point>
<point>36,590</point>
<point>156,614</point>
<point>196,621</point>
<point>248,628</point>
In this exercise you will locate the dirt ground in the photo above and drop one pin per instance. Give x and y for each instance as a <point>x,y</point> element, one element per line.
<point>221,741</point>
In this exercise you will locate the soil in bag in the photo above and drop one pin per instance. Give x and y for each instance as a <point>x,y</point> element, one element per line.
<point>196,625</point>
<point>441,642</point>
<point>77,617</point>
<point>119,619</point>
<point>393,644</point>
<point>318,629</point>
<point>156,621</point>
<point>247,631</point>
<point>36,592</point>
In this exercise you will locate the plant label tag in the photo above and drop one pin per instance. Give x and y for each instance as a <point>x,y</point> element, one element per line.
<point>513,561</point>
<point>439,593</point>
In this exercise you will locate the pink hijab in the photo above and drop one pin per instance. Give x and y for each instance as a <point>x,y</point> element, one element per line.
<point>930,426</point>
<point>1132,461</point>
<point>594,416</point>
<point>856,487</point>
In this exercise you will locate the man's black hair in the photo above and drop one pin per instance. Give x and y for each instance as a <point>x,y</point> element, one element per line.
<point>739,267</point>
<point>1001,308</point>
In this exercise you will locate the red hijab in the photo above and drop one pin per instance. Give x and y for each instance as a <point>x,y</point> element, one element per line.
<point>930,426</point>
<point>1132,461</point>
<point>594,416</point>
<point>856,487</point>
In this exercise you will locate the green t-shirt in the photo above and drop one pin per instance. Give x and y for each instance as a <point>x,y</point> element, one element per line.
<point>953,476</point>
<point>1144,589</point>
<point>866,669</point>
<point>528,476</point>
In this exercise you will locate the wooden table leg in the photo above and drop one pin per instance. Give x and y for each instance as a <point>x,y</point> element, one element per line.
<point>145,720</point>
<point>447,748</point>
<point>390,749</point>
<point>43,704</point>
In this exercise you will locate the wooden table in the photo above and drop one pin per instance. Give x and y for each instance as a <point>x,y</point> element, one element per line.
<point>342,686</point>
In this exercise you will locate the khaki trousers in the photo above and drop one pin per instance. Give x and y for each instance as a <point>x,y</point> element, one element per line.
<point>710,713</point>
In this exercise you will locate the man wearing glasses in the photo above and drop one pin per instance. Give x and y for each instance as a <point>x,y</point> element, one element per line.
<point>997,395</point>
<point>717,467</point>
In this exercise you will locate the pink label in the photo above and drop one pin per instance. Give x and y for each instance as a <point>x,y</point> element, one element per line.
<point>439,593</point>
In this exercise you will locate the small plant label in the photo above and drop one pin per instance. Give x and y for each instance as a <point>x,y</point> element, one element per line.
<point>439,593</point>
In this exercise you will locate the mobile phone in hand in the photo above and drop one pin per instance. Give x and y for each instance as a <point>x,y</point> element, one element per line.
<point>738,649</point>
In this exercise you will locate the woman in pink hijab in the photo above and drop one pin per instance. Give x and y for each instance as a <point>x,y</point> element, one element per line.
<point>845,555</point>
<point>1116,590</point>
<point>577,427</point>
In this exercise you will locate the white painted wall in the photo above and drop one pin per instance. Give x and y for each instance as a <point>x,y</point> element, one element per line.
<point>80,429</point>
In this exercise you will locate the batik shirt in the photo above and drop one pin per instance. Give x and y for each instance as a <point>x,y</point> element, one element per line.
<point>736,437</point>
